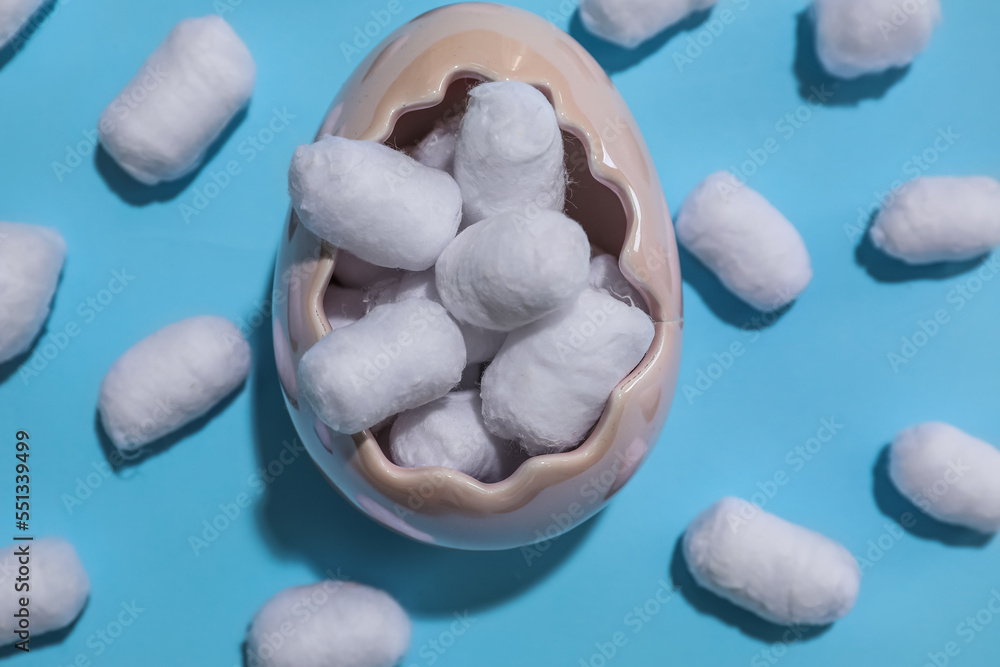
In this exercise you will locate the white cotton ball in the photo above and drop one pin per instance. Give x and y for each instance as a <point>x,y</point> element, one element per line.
<point>949,474</point>
<point>504,272</point>
<point>31,259</point>
<point>509,155</point>
<point>375,202</point>
<point>57,587</point>
<point>857,37</point>
<point>353,272</point>
<point>437,149</point>
<point>550,381</point>
<point>629,23</point>
<point>171,378</point>
<point>398,356</point>
<point>328,624</point>
<point>783,572</point>
<point>480,344</point>
<point>163,122</point>
<point>343,306</point>
<point>606,276</point>
<point>752,248</point>
<point>940,219</point>
<point>14,14</point>
<point>449,432</point>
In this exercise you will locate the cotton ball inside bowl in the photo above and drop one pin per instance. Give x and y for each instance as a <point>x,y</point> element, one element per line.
<point>449,432</point>
<point>59,587</point>
<point>745,241</point>
<point>162,124</point>
<point>506,271</point>
<point>783,572</point>
<point>549,383</point>
<point>940,219</point>
<point>328,624</point>
<point>437,149</point>
<point>949,474</point>
<point>377,203</point>
<point>629,23</point>
<point>858,37</point>
<point>170,378</point>
<point>31,259</point>
<point>509,152</point>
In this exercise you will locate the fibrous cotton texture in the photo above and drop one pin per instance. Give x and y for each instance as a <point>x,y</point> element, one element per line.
<point>550,381</point>
<point>449,432</point>
<point>949,474</point>
<point>14,14</point>
<point>328,624</point>
<point>31,259</point>
<point>940,219</point>
<point>783,572</point>
<point>752,248</point>
<point>629,23</point>
<point>509,154</point>
<point>55,584</point>
<point>375,202</point>
<point>171,378</point>
<point>505,272</point>
<point>437,149</point>
<point>398,356</point>
<point>857,37</point>
<point>163,122</point>
<point>606,276</point>
<point>480,344</point>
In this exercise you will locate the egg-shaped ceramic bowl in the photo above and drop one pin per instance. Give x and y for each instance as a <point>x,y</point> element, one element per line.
<point>417,75</point>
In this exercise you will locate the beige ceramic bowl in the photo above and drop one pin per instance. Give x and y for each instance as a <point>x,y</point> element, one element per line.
<point>417,75</point>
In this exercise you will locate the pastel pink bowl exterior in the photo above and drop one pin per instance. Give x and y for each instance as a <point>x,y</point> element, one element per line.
<point>394,95</point>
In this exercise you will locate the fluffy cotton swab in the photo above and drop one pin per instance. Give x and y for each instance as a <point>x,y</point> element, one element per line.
<point>509,154</point>
<point>31,259</point>
<point>163,122</point>
<point>375,202</point>
<point>171,378</point>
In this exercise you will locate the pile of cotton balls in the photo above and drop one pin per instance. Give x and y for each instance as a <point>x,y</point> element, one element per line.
<point>442,272</point>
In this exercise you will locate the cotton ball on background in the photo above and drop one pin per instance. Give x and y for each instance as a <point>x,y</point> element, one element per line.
<point>940,219</point>
<point>509,154</point>
<point>14,14</point>
<point>437,149</point>
<point>550,381</point>
<point>335,623</point>
<point>59,587</point>
<point>752,248</point>
<point>629,23</point>
<point>375,202</point>
<point>161,125</point>
<point>949,474</point>
<point>343,306</point>
<point>398,356</point>
<point>505,272</point>
<point>171,378</point>
<point>449,432</point>
<point>606,276</point>
<point>783,572</point>
<point>857,37</point>
<point>31,259</point>
<point>353,272</point>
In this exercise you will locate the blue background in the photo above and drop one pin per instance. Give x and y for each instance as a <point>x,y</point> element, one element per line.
<point>825,358</point>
